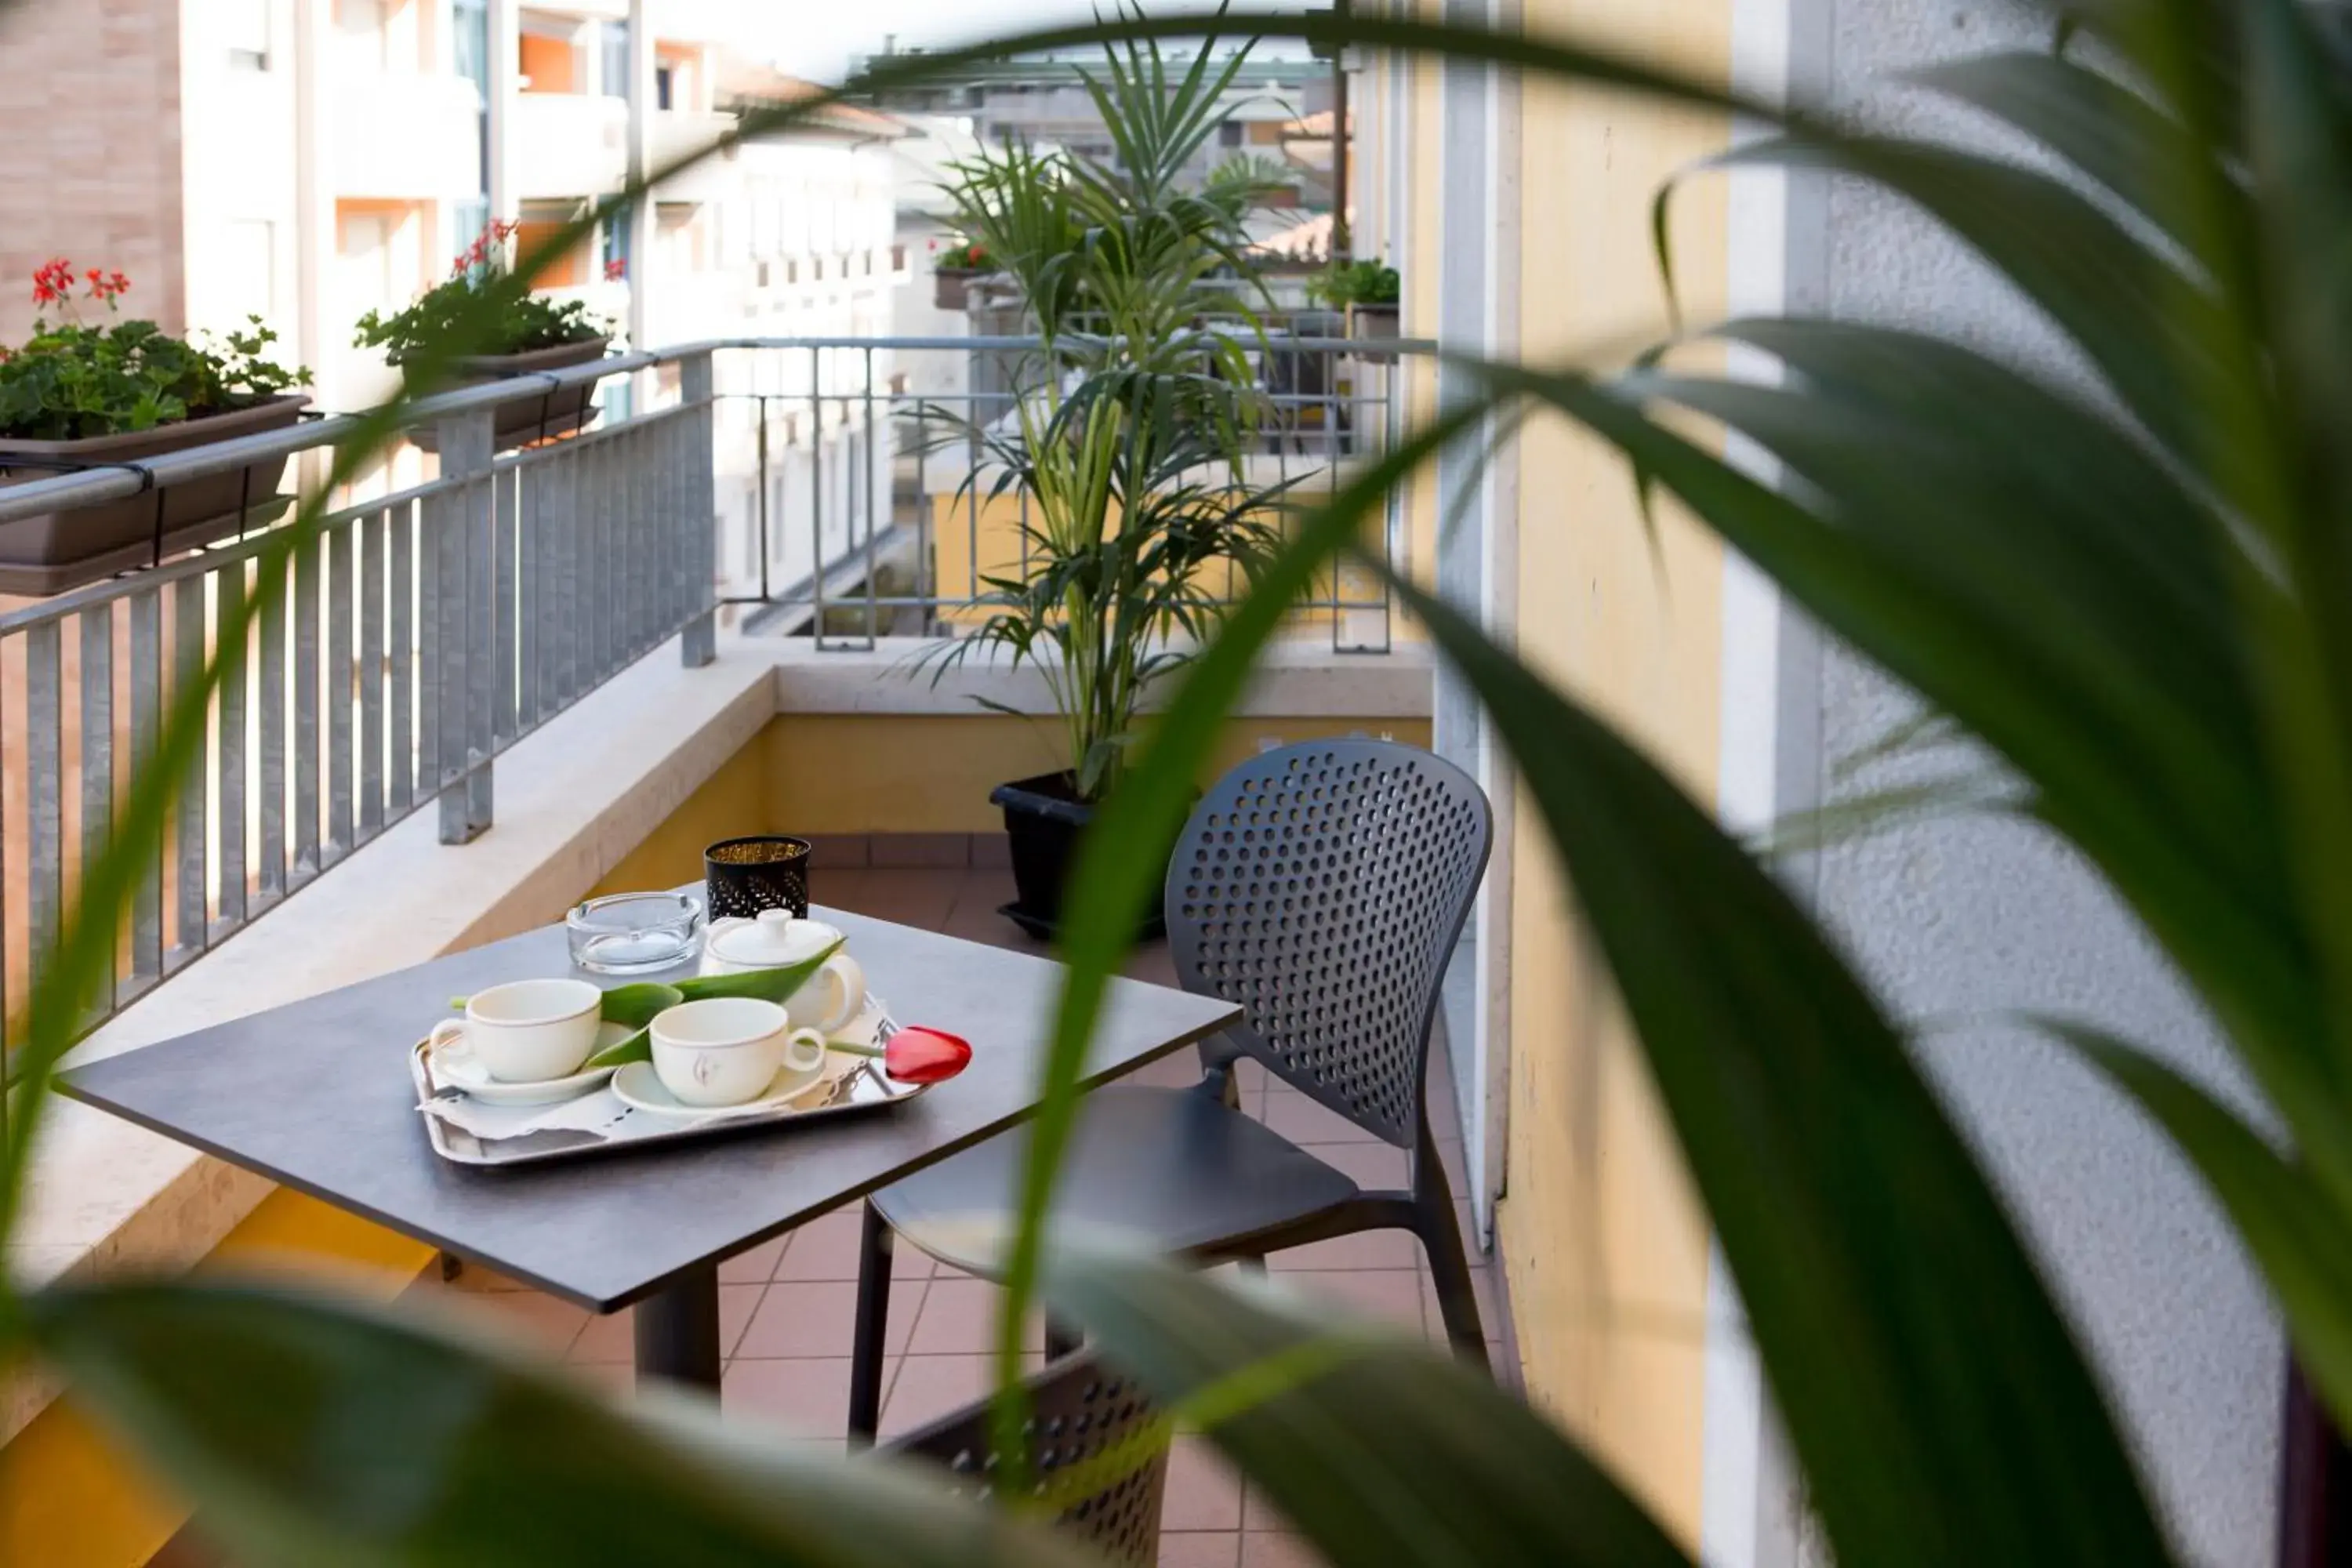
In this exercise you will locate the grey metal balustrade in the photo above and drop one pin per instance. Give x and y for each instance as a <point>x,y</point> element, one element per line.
<point>418,633</point>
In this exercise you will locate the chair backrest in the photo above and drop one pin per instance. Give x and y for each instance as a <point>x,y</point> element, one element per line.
<point>1077,1411</point>
<point>1322,887</point>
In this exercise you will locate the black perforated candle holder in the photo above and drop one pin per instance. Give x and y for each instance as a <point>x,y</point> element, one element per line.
<point>763,871</point>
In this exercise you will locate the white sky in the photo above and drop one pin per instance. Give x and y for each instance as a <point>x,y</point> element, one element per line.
<point>816,39</point>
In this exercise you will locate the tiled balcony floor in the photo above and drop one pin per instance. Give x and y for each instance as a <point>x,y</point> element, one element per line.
<point>787,1304</point>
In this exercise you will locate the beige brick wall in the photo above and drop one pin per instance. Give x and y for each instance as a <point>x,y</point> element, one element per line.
<point>90,124</point>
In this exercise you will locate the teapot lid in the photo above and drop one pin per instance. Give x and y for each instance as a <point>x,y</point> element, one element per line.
<point>774,939</point>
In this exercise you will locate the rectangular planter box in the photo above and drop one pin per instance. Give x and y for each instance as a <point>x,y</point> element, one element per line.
<point>534,415</point>
<point>53,551</point>
<point>951,287</point>
<point>1373,324</point>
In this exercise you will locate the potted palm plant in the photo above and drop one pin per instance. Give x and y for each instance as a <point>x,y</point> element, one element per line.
<point>77,396</point>
<point>531,334</point>
<point>1128,435</point>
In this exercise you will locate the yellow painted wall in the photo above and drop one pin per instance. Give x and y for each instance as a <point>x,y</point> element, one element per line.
<point>846,773</point>
<point>68,1496</point>
<point>1605,1247</point>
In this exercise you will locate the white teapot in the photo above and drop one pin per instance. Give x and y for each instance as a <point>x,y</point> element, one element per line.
<point>830,999</point>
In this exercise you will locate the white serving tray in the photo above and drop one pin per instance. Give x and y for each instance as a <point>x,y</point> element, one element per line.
<point>599,1123</point>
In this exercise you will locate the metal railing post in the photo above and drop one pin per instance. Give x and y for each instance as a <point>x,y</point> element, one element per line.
<point>460,531</point>
<point>697,642</point>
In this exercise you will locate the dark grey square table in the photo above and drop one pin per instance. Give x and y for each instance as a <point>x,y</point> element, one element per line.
<point>317,1096</point>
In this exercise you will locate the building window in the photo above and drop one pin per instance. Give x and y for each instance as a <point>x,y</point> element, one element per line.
<point>616,59</point>
<point>664,76</point>
<point>1229,133</point>
<point>247,24</point>
<point>612,248</point>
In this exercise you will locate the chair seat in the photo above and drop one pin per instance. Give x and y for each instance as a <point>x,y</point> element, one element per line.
<point>1171,1168</point>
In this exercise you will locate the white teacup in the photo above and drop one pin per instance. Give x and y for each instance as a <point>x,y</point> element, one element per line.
<point>725,1050</point>
<point>528,1031</point>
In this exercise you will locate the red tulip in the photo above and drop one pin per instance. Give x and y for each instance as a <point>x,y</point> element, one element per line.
<point>918,1055</point>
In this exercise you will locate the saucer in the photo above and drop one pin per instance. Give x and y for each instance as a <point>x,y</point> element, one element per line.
<point>638,1087</point>
<point>454,1066</point>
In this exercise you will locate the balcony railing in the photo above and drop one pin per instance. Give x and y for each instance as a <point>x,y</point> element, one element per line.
<point>414,638</point>
<point>422,632</point>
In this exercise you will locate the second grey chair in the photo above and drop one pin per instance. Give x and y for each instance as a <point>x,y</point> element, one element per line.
<point>1321,886</point>
<point>1079,1413</point>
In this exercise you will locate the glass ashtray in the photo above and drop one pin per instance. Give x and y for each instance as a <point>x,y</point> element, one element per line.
<point>630,933</point>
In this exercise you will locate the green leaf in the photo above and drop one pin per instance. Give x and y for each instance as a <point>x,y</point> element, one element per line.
<point>634,1006</point>
<point>1379,1450</point>
<point>2109,132</point>
<point>773,984</point>
<point>1878,584</point>
<point>2139,320</point>
<point>1941,1408</point>
<point>2302,1242</point>
<point>319,1432</point>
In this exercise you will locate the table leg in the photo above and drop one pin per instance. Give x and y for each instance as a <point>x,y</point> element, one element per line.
<point>678,1331</point>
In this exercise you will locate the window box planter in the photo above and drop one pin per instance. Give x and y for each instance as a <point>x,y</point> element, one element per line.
<point>53,551</point>
<point>1372,324</point>
<point>1042,818</point>
<point>952,286</point>
<point>531,417</point>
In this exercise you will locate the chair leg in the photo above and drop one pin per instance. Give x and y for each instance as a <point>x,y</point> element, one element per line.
<point>1449,1271</point>
<point>866,1358</point>
<point>1449,1264</point>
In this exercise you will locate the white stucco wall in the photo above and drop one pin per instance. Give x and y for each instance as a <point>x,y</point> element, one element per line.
<point>1968,917</point>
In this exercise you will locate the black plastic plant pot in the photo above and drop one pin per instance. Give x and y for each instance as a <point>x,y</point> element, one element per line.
<point>1043,819</point>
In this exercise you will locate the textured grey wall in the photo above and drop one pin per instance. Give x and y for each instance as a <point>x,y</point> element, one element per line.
<point>1970,917</point>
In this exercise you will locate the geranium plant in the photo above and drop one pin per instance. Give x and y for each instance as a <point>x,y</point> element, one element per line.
<point>522,324</point>
<point>967,256</point>
<point>72,379</point>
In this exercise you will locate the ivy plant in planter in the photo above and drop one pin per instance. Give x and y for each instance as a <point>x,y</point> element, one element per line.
<point>529,334</point>
<point>77,395</point>
<point>1367,290</point>
<point>1127,435</point>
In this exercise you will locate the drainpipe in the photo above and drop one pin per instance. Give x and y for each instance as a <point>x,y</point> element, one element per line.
<point>640,216</point>
<point>1341,241</point>
<point>505,30</point>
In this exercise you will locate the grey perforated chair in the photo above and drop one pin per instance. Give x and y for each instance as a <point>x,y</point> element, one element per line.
<point>1321,886</point>
<point>1077,1411</point>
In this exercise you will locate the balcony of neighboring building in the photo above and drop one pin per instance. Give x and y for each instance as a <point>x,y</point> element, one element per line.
<point>402,135</point>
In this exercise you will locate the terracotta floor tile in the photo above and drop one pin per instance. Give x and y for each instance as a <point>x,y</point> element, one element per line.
<point>926,1387</point>
<point>1304,1120</point>
<point>1366,1249</point>
<point>756,1267</point>
<point>613,1336</point>
<point>915,898</point>
<point>817,1319</point>
<point>960,1319</point>
<point>1482,1289</point>
<point>1203,1491</point>
<point>825,1247</point>
<point>1200,1549</point>
<point>1386,1295</point>
<point>810,1394</point>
